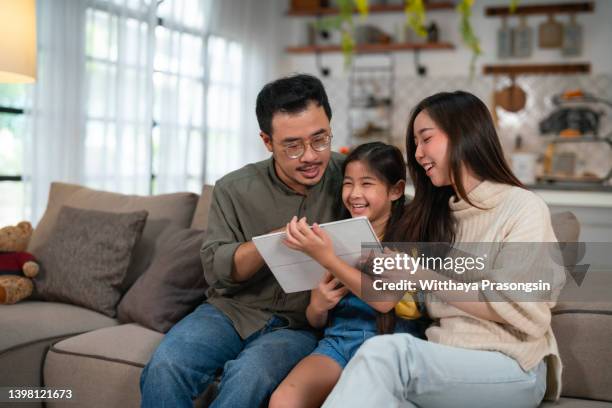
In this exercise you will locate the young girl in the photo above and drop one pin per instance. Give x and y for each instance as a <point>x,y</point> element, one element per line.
<point>373,186</point>
<point>479,353</point>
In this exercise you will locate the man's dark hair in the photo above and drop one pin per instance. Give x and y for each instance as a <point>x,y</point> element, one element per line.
<point>289,95</point>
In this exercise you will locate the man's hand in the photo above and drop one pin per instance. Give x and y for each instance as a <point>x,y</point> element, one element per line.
<point>327,295</point>
<point>313,242</point>
<point>247,260</point>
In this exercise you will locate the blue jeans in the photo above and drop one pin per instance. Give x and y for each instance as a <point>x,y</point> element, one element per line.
<point>401,370</point>
<point>351,323</point>
<point>203,343</point>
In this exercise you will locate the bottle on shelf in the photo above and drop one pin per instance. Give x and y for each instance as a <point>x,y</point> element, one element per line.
<point>523,163</point>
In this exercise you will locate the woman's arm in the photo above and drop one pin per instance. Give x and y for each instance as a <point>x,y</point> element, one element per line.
<point>468,302</point>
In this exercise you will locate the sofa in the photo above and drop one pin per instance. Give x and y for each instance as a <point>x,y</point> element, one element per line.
<point>99,358</point>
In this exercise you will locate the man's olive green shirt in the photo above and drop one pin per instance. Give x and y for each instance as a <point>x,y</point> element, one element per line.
<point>253,201</point>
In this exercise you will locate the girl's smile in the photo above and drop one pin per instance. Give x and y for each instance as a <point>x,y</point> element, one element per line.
<point>365,194</point>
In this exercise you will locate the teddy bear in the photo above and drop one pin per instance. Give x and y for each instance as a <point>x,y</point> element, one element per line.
<point>17,267</point>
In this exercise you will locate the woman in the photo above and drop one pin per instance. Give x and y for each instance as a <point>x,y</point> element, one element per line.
<point>496,352</point>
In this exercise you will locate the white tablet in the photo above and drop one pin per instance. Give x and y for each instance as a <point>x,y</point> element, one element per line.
<point>296,271</point>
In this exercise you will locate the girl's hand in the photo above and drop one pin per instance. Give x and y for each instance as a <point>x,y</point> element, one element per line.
<point>327,295</point>
<point>313,242</point>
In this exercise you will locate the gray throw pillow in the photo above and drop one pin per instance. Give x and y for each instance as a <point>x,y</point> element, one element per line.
<point>87,256</point>
<point>171,287</point>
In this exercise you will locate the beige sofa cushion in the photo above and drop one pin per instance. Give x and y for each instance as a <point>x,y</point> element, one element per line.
<point>164,210</point>
<point>102,367</point>
<point>566,226</point>
<point>576,403</point>
<point>29,327</point>
<point>583,331</point>
<point>200,216</point>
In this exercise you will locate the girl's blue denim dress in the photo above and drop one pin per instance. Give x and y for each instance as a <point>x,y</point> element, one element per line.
<point>351,323</point>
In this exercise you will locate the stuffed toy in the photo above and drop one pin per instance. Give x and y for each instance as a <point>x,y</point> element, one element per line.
<point>17,267</point>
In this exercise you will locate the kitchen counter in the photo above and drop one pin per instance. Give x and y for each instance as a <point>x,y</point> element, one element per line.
<point>601,198</point>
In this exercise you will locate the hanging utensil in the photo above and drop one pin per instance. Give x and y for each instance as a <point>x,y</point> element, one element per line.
<point>504,40</point>
<point>512,98</point>
<point>521,39</point>
<point>572,38</point>
<point>550,33</point>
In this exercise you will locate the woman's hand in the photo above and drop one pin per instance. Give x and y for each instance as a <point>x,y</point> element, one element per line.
<point>327,295</point>
<point>313,242</point>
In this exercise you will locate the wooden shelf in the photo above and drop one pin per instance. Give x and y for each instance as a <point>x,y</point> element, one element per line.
<point>374,8</point>
<point>536,69</point>
<point>371,48</point>
<point>582,7</point>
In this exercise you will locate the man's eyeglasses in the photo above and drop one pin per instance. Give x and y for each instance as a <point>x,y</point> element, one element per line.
<point>319,143</point>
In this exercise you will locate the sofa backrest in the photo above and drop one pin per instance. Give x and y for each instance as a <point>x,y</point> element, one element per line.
<point>200,216</point>
<point>583,329</point>
<point>165,211</point>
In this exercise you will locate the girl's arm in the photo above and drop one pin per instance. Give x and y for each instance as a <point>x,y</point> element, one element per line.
<point>316,243</point>
<point>323,298</point>
<point>316,318</point>
<point>352,279</point>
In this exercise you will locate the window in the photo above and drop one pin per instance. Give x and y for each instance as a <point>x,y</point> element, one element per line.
<point>153,109</point>
<point>224,107</point>
<point>117,118</point>
<point>13,203</point>
<point>179,79</point>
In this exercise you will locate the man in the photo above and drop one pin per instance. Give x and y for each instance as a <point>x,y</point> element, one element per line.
<point>248,327</point>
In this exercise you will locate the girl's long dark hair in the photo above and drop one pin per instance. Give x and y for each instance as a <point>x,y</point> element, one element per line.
<point>473,143</point>
<point>387,162</point>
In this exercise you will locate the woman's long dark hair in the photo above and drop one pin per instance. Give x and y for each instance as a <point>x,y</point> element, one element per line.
<point>473,142</point>
<point>387,162</point>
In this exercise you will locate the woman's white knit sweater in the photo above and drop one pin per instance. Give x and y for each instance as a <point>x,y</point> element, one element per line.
<point>510,214</point>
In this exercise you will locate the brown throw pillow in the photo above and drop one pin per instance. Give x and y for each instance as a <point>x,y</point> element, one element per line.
<point>87,257</point>
<point>173,285</point>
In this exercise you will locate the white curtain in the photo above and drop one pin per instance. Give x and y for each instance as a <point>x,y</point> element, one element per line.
<point>253,26</point>
<point>181,78</point>
<point>131,88</point>
<point>52,150</point>
<point>241,54</point>
<point>118,91</point>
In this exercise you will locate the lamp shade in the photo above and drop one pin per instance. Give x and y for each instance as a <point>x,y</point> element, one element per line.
<point>17,41</point>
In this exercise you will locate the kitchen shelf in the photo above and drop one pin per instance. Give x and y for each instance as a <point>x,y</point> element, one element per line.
<point>579,7</point>
<point>373,8</point>
<point>581,139</point>
<point>536,69</point>
<point>371,48</point>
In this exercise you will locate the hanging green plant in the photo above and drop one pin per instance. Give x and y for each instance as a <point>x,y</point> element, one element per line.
<point>513,5</point>
<point>343,23</point>
<point>415,16</point>
<point>464,8</point>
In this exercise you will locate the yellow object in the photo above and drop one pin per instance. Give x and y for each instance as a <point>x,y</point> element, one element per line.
<point>407,307</point>
<point>17,41</point>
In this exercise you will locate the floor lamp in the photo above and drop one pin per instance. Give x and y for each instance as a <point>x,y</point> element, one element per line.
<point>17,41</point>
